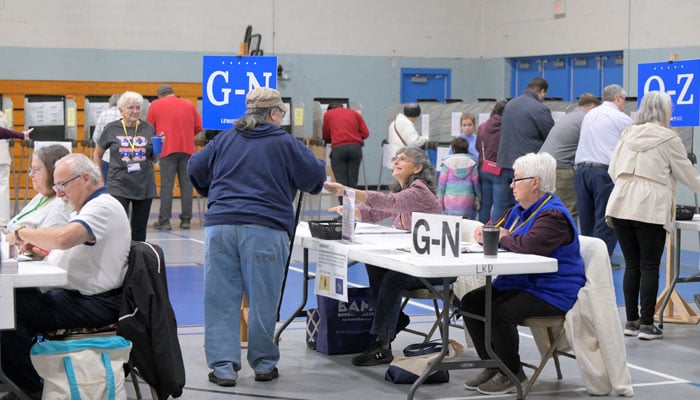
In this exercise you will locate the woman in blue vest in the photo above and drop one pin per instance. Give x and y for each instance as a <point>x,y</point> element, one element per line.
<point>539,224</point>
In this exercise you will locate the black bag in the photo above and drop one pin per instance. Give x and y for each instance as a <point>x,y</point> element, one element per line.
<point>313,318</point>
<point>343,328</point>
<point>418,358</point>
<point>684,213</point>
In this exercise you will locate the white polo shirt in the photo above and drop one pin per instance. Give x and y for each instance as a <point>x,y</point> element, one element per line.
<point>98,267</point>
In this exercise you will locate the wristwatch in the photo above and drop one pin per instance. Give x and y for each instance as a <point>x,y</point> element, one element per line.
<point>16,233</point>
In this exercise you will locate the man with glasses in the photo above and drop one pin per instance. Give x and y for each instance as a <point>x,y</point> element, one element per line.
<point>600,132</point>
<point>93,248</point>
<point>177,121</point>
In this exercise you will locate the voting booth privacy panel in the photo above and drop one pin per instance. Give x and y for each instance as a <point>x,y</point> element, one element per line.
<point>443,120</point>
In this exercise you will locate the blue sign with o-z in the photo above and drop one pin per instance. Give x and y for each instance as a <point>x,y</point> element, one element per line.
<point>681,80</point>
<point>225,82</point>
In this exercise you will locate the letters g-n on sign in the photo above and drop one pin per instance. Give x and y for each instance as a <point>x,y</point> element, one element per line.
<point>681,80</point>
<point>436,235</point>
<point>225,82</point>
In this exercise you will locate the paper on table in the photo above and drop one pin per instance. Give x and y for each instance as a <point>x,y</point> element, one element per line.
<point>367,229</point>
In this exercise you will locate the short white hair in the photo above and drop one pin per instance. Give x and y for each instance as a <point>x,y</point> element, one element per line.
<point>541,165</point>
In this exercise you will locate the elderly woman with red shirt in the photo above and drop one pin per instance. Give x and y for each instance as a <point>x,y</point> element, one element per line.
<point>412,191</point>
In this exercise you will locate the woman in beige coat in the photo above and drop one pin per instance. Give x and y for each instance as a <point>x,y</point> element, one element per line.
<point>647,163</point>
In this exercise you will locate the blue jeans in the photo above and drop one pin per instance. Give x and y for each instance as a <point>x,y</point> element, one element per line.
<point>593,188</point>
<point>242,259</point>
<point>494,191</point>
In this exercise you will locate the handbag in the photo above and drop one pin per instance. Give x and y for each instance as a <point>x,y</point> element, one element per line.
<point>82,369</point>
<point>417,359</point>
<point>684,213</point>
<point>343,328</point>
<point>489,166</point>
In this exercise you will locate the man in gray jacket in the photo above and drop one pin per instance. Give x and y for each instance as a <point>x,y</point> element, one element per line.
<point>525,125</point>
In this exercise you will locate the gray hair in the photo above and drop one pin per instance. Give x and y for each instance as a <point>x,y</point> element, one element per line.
<point>79,163</point>
<point>541,165</point>
<point>427,173</point>
<point>252,118</point>
<point>113,99</point>
<point>655,107</point>
<point>129,96</point>
<point>612,91</point>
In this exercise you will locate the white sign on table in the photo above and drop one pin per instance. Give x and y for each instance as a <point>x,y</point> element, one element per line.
<point>332,271</point>
<point>436,235</point>
<point>7,302</point>
<point>348,229</point>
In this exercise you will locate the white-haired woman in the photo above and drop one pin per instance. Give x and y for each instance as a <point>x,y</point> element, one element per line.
<point>539,223</point>
<point>647,163</point>
<point>131,179</point>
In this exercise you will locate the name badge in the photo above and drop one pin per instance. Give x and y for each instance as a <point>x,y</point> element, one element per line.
<point>133,167</point>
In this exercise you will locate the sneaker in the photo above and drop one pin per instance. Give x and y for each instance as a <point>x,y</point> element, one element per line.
<point>162,226</point>
<point>402,323</point>
<point>267,376</point>
<point>632,328</point>
<point>221,381</point>
<point>649,332</point>
<point>485,375</point>
<point>184,224</point>
<point>501,384</point>
<point>376,354</point>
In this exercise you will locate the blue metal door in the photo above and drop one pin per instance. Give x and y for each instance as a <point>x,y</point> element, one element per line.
<point>425,83</point>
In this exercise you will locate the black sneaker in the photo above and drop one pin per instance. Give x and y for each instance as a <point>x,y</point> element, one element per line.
<point>185,224</point>
<point>376,354</point>
<point>221,381</point>
<point>632,328</point>
<point>162,226</point>
<point>267,376</point>
<point>649,332</point>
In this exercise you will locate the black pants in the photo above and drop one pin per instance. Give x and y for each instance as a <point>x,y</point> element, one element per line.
<point>345,162</point>
<point>140,209</point>
<point>37,313</point>
<point>642,245</point>
<point>508,310</point>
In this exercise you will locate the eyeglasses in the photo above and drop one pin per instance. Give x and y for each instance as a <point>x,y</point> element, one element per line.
<point>521,179</point>
<point>282,111</point>
<point>34,170</point>
<point>60,187</point>
<point>401,158</point>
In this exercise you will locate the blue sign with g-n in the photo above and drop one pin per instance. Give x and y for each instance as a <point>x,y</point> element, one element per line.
<point>225,82</point>
<point>681,80</point>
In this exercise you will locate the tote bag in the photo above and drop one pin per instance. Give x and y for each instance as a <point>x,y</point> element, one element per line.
<point>343,328</point>
<point>83,369</point>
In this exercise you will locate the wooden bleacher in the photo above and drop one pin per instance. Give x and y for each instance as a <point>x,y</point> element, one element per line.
<point>76,90</point>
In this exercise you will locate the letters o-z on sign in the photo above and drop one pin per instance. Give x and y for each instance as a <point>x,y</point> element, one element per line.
<point>226,80</point>
<point>681,80</point>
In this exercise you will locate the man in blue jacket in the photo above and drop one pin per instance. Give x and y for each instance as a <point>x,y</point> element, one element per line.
<point>251,174</point>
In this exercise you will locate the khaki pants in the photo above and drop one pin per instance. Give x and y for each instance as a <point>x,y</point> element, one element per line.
<point>566,190</point>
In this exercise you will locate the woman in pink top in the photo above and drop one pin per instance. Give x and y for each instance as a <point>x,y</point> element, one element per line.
<point>412,191</point>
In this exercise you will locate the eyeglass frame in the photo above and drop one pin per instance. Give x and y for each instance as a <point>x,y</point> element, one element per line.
<point>282,111</point>
<point>516,180</point>
<point>402,157</point>
<point>61,187</point>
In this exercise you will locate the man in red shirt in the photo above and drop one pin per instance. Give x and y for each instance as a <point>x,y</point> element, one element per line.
<point>346,130</point>
<point>177,121</point>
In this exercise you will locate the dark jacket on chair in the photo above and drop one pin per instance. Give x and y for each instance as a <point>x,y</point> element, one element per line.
<point>147,319</point>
